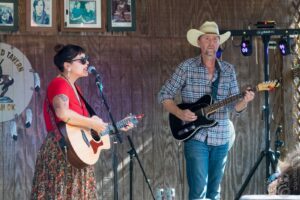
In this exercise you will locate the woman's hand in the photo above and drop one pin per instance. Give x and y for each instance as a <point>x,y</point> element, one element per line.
<point>98,124</point>
<point>127,127</point>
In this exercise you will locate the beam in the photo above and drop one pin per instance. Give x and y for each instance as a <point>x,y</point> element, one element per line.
<point>263,31</point>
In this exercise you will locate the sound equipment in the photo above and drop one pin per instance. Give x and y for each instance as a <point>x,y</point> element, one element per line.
<point>270,197</point>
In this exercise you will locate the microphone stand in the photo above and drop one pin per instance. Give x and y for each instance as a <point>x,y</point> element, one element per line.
<point>117,133</point>
<point>132,152</point>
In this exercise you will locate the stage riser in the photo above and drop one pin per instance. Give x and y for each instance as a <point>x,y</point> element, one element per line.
<point>270,197</point>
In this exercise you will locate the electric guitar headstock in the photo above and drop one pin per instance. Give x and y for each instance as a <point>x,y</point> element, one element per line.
<point>268,85</point>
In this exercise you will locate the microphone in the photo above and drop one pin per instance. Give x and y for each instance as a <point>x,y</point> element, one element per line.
<point>92,70</point>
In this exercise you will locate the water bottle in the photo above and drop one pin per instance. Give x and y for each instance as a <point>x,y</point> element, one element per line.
<point>170,193</point>
<point>159,194</point>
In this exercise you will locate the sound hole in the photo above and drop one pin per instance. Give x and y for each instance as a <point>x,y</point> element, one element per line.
<point>95,135</point>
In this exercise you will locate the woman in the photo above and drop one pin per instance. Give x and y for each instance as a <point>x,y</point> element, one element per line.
<point>55,177</point>
<point>39,14</point>
<point>286,181</point>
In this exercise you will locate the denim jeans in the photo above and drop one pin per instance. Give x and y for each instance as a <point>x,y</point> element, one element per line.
<point>205,165</point>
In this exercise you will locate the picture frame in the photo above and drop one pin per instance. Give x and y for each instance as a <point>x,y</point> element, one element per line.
<point>9,15</point>
<point>41,15</point>
<point>84,15</point>
<point>121,15</point>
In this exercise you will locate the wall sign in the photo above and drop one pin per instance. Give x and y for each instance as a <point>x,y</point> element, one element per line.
<point>16,82</point>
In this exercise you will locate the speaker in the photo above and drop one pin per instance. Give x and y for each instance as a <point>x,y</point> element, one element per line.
<point>270,197</point>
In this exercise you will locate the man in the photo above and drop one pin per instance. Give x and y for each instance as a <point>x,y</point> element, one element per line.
<point>206,151</point>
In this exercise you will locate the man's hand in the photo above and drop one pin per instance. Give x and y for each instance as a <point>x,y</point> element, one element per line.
<point>249,95</point>
<point>187,115</point>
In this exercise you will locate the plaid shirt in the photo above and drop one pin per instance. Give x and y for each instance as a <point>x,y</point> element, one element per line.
<point>191,79</point>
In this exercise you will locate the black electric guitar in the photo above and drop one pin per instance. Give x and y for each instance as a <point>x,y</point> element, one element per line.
<point>182,130</point>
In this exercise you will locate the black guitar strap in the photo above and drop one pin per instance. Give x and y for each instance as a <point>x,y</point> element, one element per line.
<point>87,105</point>
<point>59,137</point>
<point>215,84</point>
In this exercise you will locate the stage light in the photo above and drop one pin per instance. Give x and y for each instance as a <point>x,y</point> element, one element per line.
<point>284,45</point>
<point>219,53</point>
<point>246,45</point>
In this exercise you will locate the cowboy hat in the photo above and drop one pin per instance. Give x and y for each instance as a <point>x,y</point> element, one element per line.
<point>208,27</point>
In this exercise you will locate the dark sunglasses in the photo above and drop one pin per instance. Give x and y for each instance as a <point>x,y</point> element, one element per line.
<point>83,60</point>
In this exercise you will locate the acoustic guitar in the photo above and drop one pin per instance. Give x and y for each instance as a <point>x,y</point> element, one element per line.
<point>85,145</point>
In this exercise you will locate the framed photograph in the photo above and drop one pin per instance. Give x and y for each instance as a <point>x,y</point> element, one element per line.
<point>41,15</point>
<point>121,15</point>
<point>8,15</point>
<point>84,14</point>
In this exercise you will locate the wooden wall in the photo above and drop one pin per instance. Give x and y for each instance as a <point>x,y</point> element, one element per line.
<point>134,66</point>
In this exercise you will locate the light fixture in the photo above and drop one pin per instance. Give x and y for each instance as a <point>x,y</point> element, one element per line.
<point>246,45</point>
<point>219,53</point>
<point>284,45</point>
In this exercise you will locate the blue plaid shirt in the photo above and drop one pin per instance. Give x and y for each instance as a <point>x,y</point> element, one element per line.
<point>191,79</point>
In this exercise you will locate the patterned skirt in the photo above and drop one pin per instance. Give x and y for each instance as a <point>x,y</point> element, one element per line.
<point>55,178</point>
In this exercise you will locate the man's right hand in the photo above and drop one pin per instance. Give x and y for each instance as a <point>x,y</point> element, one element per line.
<point>187,115</point>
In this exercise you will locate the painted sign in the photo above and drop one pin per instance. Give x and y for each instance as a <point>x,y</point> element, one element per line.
<point>16,82</point>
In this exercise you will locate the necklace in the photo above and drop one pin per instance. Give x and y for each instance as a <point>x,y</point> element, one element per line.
<point>73,87</point>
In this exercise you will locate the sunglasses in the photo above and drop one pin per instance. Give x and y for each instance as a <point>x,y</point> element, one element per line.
<point>82,60</point>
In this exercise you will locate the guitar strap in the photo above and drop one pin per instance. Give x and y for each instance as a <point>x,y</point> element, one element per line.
<point>87,105</point>
<point>215,84</point>
<point>59,138</point>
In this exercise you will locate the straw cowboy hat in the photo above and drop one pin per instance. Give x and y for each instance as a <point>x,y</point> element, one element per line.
<point>208,27</point>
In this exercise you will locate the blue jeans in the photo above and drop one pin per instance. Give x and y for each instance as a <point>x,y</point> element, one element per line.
<point>205,165</point>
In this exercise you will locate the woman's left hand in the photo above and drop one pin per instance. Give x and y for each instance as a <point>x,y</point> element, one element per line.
<point>127,127</point>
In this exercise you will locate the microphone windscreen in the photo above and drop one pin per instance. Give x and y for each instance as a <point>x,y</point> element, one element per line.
<point>91,69</point>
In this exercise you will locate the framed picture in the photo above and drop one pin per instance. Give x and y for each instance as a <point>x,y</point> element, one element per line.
<point>121,15</point>
<point>41,15</point>
<point>8,15</point>
<point>84,14</point>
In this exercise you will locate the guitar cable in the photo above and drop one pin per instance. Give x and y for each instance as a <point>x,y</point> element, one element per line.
<point>179,144</point>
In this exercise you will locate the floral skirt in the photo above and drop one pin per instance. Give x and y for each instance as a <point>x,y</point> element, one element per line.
<point>55,178</point>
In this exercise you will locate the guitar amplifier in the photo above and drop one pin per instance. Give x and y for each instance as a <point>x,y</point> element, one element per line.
<point>270,197</point>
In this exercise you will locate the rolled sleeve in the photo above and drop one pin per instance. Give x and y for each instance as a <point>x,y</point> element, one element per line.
<point>171,87</point>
